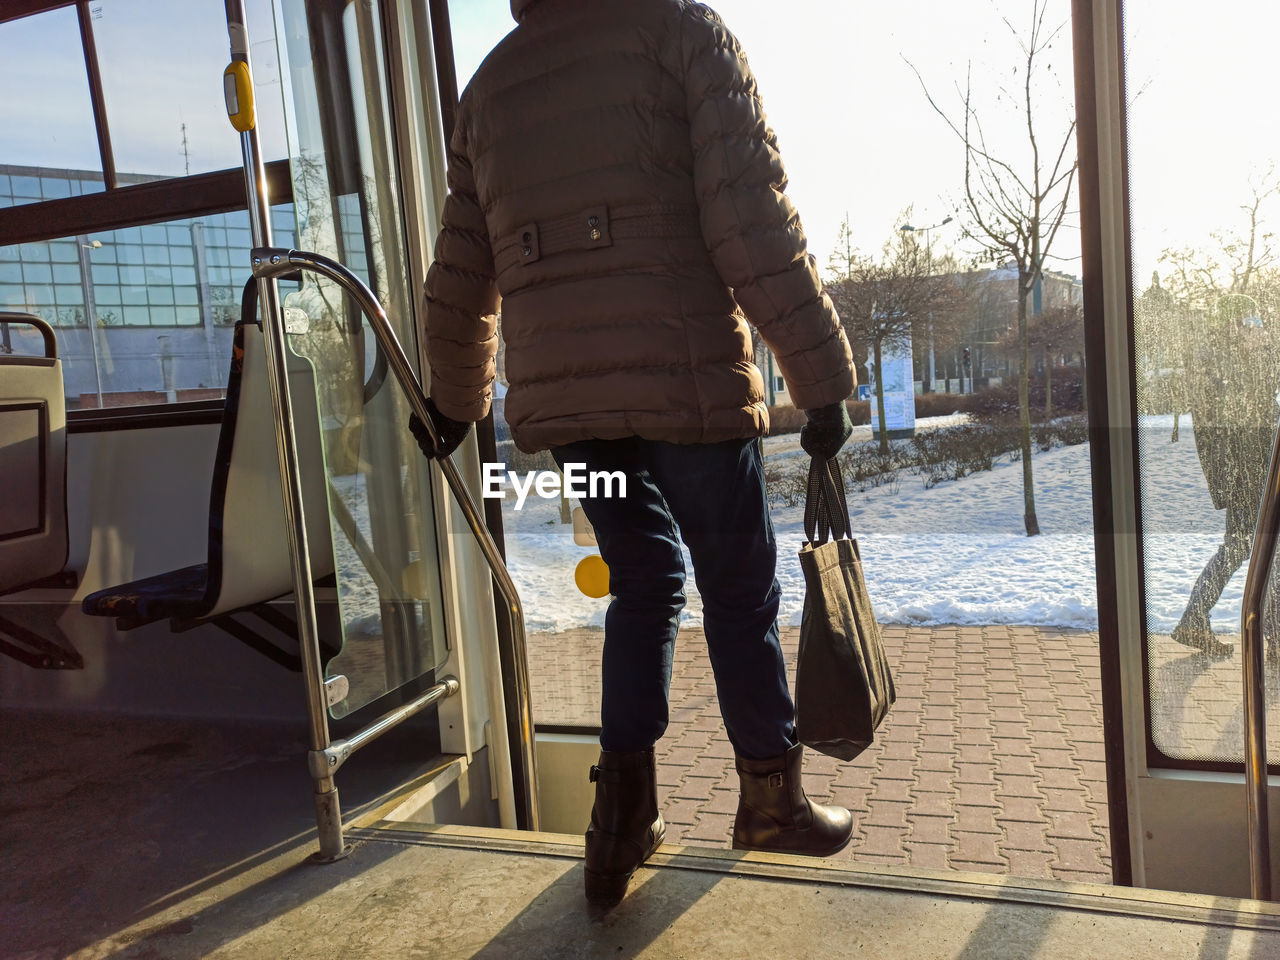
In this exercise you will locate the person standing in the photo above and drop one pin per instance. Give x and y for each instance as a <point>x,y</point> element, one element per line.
<point>613,177</point>
<point>1233,383</point>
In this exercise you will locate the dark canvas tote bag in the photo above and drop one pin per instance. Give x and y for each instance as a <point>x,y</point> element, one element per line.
<point>843,685</point>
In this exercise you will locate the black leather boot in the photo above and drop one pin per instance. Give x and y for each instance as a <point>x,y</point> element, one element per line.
<point>626,827</point>
<point>774,814</point>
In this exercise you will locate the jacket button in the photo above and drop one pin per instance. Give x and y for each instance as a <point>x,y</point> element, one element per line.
<point>527,236</point>
<point>593,221</point>
<point>527,251</point>
<point>595,234</point>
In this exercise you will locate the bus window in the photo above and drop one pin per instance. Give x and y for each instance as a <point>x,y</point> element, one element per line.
<point>46,113</point>
<point>169,118</point>
<point>143,314</point>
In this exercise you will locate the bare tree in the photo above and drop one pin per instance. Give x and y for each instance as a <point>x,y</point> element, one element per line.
<point>1015,208</point>
<point>1237,261</point>
<point>1241,260</point>
<point>879,297</point>
<point>980,315</point>
<point>1054,332</point>
<point>952,319</point>
<point>1163,332</point>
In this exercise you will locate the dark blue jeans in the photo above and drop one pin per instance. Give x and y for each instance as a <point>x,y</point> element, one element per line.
<point>715,494</point>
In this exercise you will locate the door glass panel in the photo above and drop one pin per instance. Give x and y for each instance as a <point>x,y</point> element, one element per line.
<point>347,204</point>
<point>1205,206</point>
<point>45,113</point>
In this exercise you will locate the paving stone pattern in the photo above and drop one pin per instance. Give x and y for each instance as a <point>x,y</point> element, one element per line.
<point>990,761</point>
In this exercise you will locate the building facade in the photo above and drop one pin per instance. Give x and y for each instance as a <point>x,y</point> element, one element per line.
<point>142,314</point>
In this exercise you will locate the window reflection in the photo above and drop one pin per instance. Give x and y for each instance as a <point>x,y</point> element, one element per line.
<point>113,295</point>
<point>1206,296</point>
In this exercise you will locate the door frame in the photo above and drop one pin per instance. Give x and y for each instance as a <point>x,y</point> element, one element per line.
<point>1171,827</point>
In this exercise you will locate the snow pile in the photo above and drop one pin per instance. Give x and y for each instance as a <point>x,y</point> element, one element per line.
<point>956,553</point>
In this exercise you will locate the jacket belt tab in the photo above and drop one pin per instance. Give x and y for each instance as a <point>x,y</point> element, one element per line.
<point>595,221</point>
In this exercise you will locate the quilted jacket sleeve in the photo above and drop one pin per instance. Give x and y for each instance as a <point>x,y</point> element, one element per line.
<point>751,228</point>
<point>462,300</point>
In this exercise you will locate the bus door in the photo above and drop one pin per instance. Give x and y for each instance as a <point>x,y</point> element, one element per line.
<point>1179,197</point>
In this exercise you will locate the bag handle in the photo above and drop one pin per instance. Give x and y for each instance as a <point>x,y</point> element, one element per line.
<point>826,511</point>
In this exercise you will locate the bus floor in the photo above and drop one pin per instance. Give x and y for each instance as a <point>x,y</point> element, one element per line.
<point>161,838</point>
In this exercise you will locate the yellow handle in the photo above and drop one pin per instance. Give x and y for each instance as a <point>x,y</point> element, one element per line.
<point>237,90</point>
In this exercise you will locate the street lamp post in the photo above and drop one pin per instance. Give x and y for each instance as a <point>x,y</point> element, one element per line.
<point>773,398</point>
<point>928,247</point>
<point>90,308</point>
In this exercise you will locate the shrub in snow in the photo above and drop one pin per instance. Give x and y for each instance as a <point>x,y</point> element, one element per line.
<point>936,456</point>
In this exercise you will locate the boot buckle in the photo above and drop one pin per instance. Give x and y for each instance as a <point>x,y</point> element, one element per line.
<point>604,775</point>
<point>775,780</point>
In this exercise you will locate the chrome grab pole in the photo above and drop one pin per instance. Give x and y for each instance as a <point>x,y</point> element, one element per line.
<point>272,262</point>
<point>238,90</point>
<point>1255,706</point>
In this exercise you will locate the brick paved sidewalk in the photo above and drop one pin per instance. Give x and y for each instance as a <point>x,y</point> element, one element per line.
<point>990,761</point>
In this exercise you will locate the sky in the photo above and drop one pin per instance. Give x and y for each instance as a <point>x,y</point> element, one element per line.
<point>854,127</point>
<point>857,134</point>
<point>860,139</point>
<point>45,115</point>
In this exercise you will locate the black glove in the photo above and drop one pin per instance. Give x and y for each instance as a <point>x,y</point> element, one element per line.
<point>827,430</point>
<point>452,432</point>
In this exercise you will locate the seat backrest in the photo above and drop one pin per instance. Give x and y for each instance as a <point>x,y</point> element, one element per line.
<point>249,558</point>
<point>33,457</point>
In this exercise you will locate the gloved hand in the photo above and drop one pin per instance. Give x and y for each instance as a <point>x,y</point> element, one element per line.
<point>452,432</point>
<point>827,430</point>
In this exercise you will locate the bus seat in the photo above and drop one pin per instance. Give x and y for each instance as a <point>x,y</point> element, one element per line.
<point>249,561</point>
<point>33,484</point>
<point>33,459</point>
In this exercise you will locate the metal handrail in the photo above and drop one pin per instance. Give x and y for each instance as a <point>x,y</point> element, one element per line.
<point>240,109</point>
<point>30,319</point>
<point>271,262</point>
<point>1255,706</point>
<point>325,755</point>
<point>325,763</point>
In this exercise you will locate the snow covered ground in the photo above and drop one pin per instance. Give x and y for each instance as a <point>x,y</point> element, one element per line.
<point>955,553</point>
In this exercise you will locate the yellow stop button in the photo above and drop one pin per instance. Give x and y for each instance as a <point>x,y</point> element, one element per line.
<point>592,576</point>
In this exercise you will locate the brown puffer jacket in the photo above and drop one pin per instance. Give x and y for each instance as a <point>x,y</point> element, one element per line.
<point>613,177</point>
